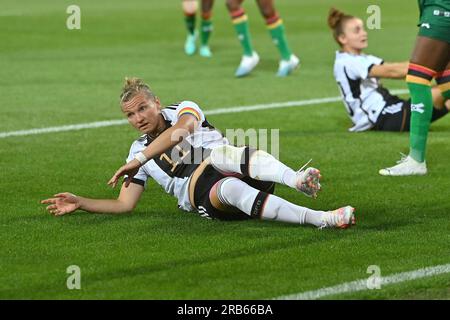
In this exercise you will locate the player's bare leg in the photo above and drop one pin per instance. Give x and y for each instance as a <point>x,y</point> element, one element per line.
<point>250,58</point>
<point>288,62</point>
<point>206,28</point>
<point>429,58</point>
<point>190,10</point>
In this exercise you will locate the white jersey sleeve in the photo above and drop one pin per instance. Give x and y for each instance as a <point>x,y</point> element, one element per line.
<point>189,107</point>
<point>359,68</point>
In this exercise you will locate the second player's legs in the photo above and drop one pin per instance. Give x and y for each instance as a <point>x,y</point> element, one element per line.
<point>190,10</point>
<point>206,28</point>
<point>429,57</point>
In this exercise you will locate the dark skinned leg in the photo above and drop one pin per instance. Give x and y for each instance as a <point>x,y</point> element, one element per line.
<point>429,56</point>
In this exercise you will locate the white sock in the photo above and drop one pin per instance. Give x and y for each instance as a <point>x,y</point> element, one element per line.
<point>262,165</point>
<point>237,193</point>
<point>279,209</point>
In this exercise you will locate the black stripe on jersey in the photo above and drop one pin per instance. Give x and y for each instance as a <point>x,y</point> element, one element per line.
<point>206,124</point>
<point>388,97</point>
<point>173,106</point>
<point>372,65</point>
<point>181,160</point>
<point>355,88</point>
<point>354,85</point>
<point>349,108</point>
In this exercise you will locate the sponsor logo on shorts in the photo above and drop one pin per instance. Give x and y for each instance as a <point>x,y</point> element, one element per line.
<point>425,25</point>
<point>441,13</point>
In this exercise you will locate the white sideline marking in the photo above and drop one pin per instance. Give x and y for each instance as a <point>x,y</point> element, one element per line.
<point>108,123</point>
<point>359,285</point>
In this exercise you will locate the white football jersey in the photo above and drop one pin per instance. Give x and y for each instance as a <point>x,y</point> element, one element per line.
<point>364,97</point>
<point>173,168</point>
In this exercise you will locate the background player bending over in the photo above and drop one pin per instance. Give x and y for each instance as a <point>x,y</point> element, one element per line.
<point>192,161</point>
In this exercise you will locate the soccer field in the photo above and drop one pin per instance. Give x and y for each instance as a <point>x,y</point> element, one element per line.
<point>52,77</point>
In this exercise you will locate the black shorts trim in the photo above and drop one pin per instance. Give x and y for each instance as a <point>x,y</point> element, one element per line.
<point>401,121</point>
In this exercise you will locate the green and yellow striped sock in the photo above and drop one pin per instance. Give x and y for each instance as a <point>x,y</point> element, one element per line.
<point>205,28</point>
<point>240,22</point>
<point>443,81</point>
<point>277,32</point>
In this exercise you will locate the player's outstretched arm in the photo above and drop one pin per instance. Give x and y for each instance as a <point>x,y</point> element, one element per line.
<point>169,138</point>
<point>63,203</point>
<point>395,70</point>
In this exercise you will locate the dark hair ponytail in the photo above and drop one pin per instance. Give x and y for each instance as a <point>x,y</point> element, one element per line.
<point>336,20</point>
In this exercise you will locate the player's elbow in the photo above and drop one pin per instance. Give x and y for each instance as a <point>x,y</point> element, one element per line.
<point>126,207</point>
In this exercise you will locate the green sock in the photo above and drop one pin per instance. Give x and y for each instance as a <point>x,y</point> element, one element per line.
<point>279,38</point>
<point>244,36</point>
<point>421,111</point>
<point>205,31</point>
<point>443,81</point>
<point>446,94</point>
<point>190,23</point>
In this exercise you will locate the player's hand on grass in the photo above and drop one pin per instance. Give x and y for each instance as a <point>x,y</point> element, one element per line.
<point>62,203</point>
<point>130,169</point>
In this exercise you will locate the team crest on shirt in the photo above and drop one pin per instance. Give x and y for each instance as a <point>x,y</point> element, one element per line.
<point>420,108</point>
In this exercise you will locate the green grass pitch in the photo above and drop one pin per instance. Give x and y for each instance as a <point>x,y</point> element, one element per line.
<point>51,76</point>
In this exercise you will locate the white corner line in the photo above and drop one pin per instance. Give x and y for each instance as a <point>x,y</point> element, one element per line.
<point>361,284</point>
<point>109,123</point>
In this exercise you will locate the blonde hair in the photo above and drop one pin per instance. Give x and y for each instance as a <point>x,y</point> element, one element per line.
<point>132,87</point>
<point>336,21</point>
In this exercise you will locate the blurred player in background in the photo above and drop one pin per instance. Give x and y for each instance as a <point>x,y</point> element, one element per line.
<point>275,26</point>
<point>370,105</point>
<point>192,161</point>
<point>430,59</point>
<point>190,8</point>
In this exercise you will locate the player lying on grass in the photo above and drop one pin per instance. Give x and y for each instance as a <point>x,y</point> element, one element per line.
<point>369,105</point>
<point>192,161</point>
